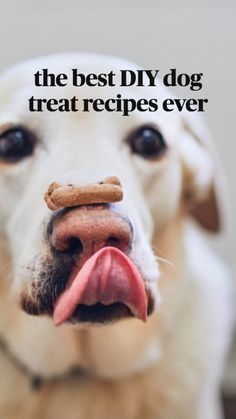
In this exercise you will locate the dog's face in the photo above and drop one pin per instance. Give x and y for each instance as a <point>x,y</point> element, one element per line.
<point>163,170</point>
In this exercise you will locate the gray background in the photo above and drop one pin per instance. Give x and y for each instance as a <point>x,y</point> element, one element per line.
<point>191,36</point>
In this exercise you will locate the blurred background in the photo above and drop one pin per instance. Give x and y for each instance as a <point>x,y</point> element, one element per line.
<point>190,36</point>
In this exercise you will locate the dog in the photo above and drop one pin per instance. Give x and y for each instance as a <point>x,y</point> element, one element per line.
<point>108,309</point>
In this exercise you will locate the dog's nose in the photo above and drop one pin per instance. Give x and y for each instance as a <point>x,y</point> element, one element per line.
<point>87,229</point>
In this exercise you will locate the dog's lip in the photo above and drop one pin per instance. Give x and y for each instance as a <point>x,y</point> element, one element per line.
<point>99,313</point>
<point>107,278</point>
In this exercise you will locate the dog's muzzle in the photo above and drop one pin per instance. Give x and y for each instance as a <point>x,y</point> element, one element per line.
<point>91,276</point>
<point>104,283</point>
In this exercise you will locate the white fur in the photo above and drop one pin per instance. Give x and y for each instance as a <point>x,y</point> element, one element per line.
<point>170,367</point>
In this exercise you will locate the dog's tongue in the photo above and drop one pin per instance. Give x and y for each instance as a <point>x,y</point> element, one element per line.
<point>107,277</point>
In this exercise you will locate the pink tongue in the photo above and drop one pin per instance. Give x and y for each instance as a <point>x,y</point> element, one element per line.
<point>107,277</point>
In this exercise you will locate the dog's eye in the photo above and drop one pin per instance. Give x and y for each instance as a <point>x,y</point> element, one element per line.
<point>148,142</point>
<point>16,144</point>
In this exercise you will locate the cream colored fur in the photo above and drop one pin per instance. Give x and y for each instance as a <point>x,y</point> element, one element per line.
<point>168,368</point>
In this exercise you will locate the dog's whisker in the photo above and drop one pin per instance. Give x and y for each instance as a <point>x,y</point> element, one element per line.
<point>168,262</point>
<point>161,258</point>
<point>157,251</point>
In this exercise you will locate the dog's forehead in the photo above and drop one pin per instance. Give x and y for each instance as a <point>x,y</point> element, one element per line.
<point>17,86</point>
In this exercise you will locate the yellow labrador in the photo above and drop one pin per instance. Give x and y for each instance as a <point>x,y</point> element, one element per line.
<point>108,309</point>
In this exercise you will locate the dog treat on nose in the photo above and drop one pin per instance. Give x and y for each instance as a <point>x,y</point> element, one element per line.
<point>104,192</point>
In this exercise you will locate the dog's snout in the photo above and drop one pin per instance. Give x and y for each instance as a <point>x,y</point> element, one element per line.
<point>87,229</point>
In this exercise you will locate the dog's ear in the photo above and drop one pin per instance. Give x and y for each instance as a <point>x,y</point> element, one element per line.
<point>204,191</point>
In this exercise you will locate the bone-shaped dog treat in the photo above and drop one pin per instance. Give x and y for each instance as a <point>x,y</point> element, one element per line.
<point>104,192</point>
